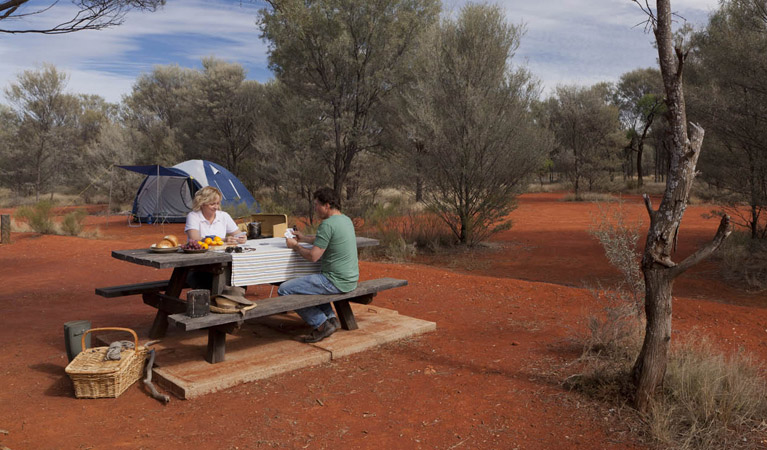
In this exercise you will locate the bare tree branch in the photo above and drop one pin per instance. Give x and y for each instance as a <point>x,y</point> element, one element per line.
<point>91,14</point>
<point>702,253</point>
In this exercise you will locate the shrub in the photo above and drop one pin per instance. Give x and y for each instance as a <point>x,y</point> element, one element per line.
<point>38,216</point>
<point>744,260</point>
<point>709,401</point>
<point>590,197</point>
<point>72,224</point>
<point>619,240</point>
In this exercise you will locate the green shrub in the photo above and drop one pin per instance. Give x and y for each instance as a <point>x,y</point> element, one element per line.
<point>72,224</point>
<point>38,216</point>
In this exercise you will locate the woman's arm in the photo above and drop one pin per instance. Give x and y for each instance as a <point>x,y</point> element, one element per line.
<point>193,235</point>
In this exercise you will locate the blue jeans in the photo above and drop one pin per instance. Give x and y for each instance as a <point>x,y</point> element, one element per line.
<point>308,285</point>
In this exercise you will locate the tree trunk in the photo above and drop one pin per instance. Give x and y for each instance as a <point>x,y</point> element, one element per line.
<point>650,366</point>
<point>658,268</point>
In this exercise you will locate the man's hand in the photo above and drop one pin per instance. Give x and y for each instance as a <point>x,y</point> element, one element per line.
<point>299,235</point>
<point>291,243</point>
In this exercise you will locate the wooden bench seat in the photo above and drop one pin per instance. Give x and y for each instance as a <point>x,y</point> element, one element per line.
<point>133,289</point>
<point>219,324</point>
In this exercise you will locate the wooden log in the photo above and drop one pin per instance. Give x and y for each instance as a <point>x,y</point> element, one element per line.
<point>5,229</point>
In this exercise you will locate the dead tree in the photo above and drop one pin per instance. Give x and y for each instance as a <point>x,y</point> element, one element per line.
<point>658,268</point>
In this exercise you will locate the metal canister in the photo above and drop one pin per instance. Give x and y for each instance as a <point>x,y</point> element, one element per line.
<point>254,230</point>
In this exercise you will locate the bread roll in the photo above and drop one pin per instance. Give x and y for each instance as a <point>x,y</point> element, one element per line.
<point>166,244</point>
<point>172,238</point>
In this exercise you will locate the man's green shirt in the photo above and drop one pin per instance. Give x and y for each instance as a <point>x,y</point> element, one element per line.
<point>339,262</point>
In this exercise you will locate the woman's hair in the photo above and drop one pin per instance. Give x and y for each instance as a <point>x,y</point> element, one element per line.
<point>204,196</point>
<point>329,196</point>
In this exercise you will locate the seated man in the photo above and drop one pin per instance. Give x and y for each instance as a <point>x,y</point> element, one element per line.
<point>335,246</point>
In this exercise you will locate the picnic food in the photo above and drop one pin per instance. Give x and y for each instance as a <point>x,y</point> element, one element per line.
<point>165,243</point>
<point>192,245</point>
<point>173,239</point>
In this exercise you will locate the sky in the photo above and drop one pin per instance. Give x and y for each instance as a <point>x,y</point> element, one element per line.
<point>579,42</point>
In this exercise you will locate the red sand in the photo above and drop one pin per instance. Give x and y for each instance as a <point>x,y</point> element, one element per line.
<point>488,378</point>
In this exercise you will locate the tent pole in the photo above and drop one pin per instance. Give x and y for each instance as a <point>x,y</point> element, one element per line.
<point>157,198</point>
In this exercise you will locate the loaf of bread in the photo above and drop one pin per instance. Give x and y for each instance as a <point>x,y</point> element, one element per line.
<point>172,238</point>
<point>165,243</point>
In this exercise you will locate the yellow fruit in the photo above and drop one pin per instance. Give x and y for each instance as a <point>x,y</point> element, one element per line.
<point>204,245</point>
<point>208,240</point>
<point>200,242</point>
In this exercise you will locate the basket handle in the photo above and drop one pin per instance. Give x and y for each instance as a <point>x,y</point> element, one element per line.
<point>135,337</point>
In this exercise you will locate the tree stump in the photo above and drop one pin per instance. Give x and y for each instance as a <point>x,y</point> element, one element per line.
<point>5,229</point>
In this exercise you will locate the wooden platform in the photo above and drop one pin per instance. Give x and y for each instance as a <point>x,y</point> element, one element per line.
<point>269,346</point>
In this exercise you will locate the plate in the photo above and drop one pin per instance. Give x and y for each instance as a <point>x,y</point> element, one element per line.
<point>154,249</point>
<point>200,250</point>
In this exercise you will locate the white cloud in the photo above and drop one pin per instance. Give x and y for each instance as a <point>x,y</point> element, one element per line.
<point>568,41</point>
<point>107,62</point>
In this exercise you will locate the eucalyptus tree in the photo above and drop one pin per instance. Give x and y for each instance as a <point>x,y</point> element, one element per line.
<point>224,113</point>
<point>45,127</point>
<point>86,15</point>
<point>344,57</point>
<point>658,268</point>
<point>155,110</point>
<point>730,98</point>
<point>639,96</point>
<point>472,123</point>
<point>9,123</point>
<point>587,130</point>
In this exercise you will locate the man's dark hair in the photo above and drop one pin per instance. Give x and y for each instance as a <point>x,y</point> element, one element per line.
<point>327,195</point>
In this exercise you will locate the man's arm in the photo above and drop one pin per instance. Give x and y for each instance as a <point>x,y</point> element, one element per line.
<point>311,254</point>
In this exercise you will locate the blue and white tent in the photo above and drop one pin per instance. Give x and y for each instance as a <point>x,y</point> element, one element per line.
<point>167,193</point>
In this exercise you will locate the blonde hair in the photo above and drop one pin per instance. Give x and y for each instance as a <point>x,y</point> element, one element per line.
<point>204,196</point>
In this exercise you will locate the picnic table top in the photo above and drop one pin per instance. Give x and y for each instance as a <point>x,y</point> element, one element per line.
<point>145,257</point>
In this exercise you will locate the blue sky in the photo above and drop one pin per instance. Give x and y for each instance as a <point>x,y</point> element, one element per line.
<point>567,42</point>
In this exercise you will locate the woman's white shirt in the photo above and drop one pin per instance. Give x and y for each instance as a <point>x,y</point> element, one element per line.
<point>221,225</point>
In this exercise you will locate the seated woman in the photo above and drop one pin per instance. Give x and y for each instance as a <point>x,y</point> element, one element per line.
<point>206,219</point>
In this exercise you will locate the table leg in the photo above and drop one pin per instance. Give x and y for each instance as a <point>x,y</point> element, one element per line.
<point>176,284</point>
<point>216,345</point>
<point>345,315</point>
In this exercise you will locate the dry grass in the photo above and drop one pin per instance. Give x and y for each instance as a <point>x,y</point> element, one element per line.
<point>712,400</point>
<point>590,197</point>
<point>534,188</point>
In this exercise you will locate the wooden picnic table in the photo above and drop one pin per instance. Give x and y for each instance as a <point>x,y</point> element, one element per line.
<point>165,295</point>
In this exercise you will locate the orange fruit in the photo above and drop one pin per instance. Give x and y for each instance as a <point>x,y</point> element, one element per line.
<point>208,240</point>
<point>204,245</point>
<point>200,242</point>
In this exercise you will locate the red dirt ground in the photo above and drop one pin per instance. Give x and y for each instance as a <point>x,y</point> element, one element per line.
<point>488,378</point>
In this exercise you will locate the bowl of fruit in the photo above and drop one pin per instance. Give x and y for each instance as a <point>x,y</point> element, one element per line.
<point>194,247</point>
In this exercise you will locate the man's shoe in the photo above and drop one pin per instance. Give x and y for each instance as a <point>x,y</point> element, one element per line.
<point>321,332</point>
<point>334,320</point>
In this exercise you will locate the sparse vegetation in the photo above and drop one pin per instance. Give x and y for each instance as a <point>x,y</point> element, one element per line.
<point>72,224</point>
<point>743,260</point>
<point>710,400</point>
<point>39,216</point>
<point>589,197</point>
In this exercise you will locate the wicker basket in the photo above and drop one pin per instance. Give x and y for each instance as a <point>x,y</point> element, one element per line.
<point>95,378</point>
